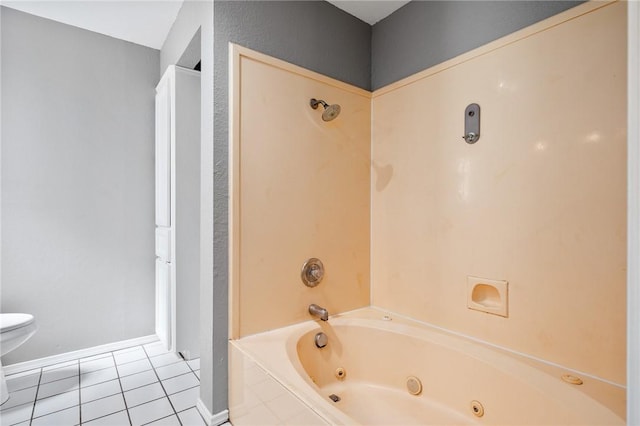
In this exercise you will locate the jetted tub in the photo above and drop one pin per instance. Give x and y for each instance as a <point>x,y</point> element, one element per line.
<point>372,361</point>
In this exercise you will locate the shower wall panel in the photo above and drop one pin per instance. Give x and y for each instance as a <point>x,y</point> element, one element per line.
<point>539,200</point>
<point>300,189</point>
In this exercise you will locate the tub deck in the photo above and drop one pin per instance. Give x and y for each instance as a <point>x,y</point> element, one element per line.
<point>378,356</point>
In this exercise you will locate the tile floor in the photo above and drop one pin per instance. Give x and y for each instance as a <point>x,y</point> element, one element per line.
<point>134,386</point>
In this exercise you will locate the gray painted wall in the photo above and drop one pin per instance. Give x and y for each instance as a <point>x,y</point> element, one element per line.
<point>425,33</point>
<point>77,184</point>
<point>194,16</point>
<point>314,35</point>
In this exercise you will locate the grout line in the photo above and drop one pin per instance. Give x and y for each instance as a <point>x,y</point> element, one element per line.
<point>110,414</point>
<point>57,380</point>
<point>137,387</point>
<point>189,408</point>
<point>162,418</point>
<point>204,422</point>
<point>79,395</point>
<point>155,399</point>
<point>41,371</point>
<point>35,399</point>
<point>129,362</point>
<point>121,391</point>
<point>162,386</point>
<point>178,375</point>
<point>102,397</point>
<point>96,370</point>
<point>146,402</point>
<point>137,372</point>
<point>56,394</point>
<point>56,411</point>
<point>192,370</point>
<point>184,390</point>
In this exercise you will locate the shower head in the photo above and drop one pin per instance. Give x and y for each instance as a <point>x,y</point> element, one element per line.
<point>330,111</point>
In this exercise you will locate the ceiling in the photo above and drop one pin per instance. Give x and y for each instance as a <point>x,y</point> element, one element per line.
<point>145,22</point>
<point>369,11</point>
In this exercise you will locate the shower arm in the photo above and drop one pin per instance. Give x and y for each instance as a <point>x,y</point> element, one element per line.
<point>314,103</point>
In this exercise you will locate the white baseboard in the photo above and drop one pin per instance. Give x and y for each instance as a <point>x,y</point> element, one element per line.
<point>212,419</point>
<point>82,353</point>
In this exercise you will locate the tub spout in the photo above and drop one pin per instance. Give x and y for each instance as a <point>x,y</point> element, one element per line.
<point>319,312</point>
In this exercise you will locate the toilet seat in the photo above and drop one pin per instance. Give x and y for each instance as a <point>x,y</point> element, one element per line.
<point>10,322</point>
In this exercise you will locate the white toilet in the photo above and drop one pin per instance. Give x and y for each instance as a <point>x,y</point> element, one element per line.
<point>15,329</point>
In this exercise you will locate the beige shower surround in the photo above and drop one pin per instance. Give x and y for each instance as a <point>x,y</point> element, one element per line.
<point>300,189</point>
<point>539,200</point>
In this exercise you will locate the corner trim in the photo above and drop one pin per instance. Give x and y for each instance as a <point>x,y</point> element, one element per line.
<point>82,353</point>
<point>633,213</point>
<point>211,419</point>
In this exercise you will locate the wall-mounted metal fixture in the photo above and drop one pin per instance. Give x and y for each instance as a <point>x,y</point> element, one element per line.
<point>312,272</point>
<point>330,111</point>
<point>472,123</point>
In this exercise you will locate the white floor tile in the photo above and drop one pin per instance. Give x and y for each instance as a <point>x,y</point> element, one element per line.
<point>172,370</point>
<point>102,407</point>
<point>59,373</point>
<point>185,399</point>
<point>95,377</point>
<point>133,354</point>
<point>59,386</point>
<point>194,364</point>
<point>167,421</point>
<point>67,417</point>
<point>13,415</point>
<point>60,365</point>
<point>91,393</point>
<point>137,380</point>
<point>56,403</point>
<point>150,411</point>
<point>155,348</point>
<point>20,397</point>
<point>96,364</point>
<point>21,381</point>
<point>191,417</point>
<point>180,383</point>
<point>144,394</point>
<point>165,359</point>
<point>134,367</point>
<point>120,418</point>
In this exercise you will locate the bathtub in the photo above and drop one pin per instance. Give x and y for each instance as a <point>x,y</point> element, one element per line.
<point>374,359</point>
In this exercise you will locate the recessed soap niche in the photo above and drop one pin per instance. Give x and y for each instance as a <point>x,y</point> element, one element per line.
<point>490,296</point>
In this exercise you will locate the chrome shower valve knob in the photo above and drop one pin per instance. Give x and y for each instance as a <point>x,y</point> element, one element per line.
<point>312,272</point>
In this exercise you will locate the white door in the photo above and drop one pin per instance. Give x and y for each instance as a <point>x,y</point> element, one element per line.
<point>163,154</point>
<point>163,297</point>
